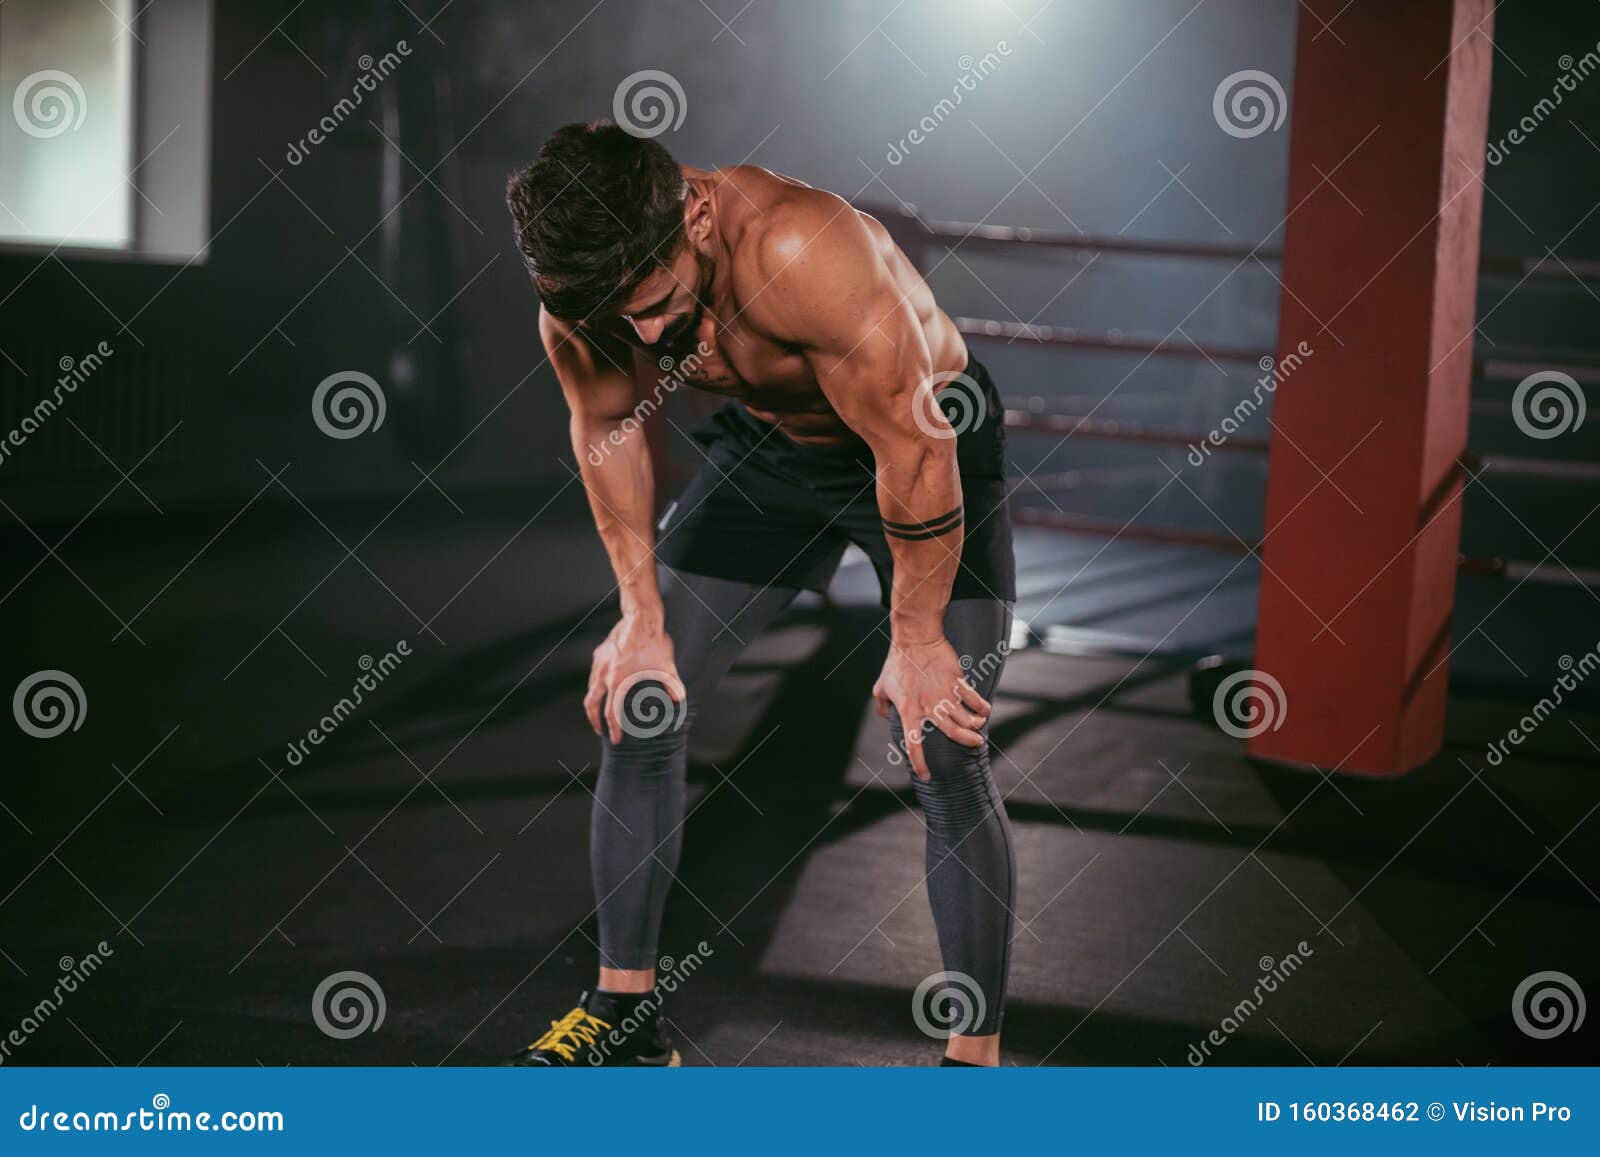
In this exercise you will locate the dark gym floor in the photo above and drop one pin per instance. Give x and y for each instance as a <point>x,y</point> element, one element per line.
<point>438,843</point>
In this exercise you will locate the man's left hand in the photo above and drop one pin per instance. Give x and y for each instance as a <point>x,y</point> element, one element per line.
<point>926,684</point>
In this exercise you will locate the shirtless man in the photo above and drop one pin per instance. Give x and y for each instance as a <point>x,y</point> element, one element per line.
<point>804,312</point>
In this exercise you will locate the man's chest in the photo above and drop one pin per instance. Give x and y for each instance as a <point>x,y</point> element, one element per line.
<point>731,359</point>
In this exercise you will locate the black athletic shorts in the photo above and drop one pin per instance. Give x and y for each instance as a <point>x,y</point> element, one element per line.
<point>767,510</point>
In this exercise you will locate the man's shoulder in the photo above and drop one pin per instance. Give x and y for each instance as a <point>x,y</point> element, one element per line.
<point>791,220</point>
<point>580,344</point>
<point>792,249</point>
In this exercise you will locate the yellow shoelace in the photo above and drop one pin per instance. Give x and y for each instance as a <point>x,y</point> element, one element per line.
<point>567,1034</point>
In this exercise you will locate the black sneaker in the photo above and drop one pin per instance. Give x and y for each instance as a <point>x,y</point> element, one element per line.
<point>592,1034</point>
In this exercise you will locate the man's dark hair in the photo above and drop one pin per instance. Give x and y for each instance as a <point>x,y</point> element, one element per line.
<point>595,213</point>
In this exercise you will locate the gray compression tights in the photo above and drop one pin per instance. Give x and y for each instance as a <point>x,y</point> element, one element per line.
<point>636,825</point>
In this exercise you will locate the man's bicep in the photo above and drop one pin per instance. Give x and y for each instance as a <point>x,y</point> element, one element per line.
<point>870,359</point>
<point>858,333</point>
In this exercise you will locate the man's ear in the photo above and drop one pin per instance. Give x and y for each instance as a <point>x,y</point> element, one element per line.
<point>699,217</point>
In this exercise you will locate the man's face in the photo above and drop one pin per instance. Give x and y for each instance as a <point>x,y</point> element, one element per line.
<point>667,306</point>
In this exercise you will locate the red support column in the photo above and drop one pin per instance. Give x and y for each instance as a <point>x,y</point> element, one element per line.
<point>1386,151</point>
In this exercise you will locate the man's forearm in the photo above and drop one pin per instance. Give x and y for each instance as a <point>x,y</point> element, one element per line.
<point>621,492</point>
<point>919,497</point>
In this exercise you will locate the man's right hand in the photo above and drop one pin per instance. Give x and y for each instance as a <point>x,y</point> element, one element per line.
<point>636,651</point>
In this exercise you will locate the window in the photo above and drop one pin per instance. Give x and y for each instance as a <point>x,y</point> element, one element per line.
<point>104,126</point>
<point>66,145</point>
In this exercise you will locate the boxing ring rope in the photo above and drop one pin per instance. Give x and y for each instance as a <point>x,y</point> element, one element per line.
<point>1111,429</point>
<point>1552,574</point>
<point>1111,528</point>
<point>1076,479</point>
<point>973,234</point>
<point>1111,340</point>
<point>1509,466</point>
<point>1114,341</point>
<point>1500,370</point>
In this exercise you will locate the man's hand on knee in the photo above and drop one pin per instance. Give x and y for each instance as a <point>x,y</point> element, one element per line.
<point>633,682</point>
<point>926,684</point>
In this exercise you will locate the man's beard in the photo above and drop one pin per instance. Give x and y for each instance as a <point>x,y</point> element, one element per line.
<point>680,334</point>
